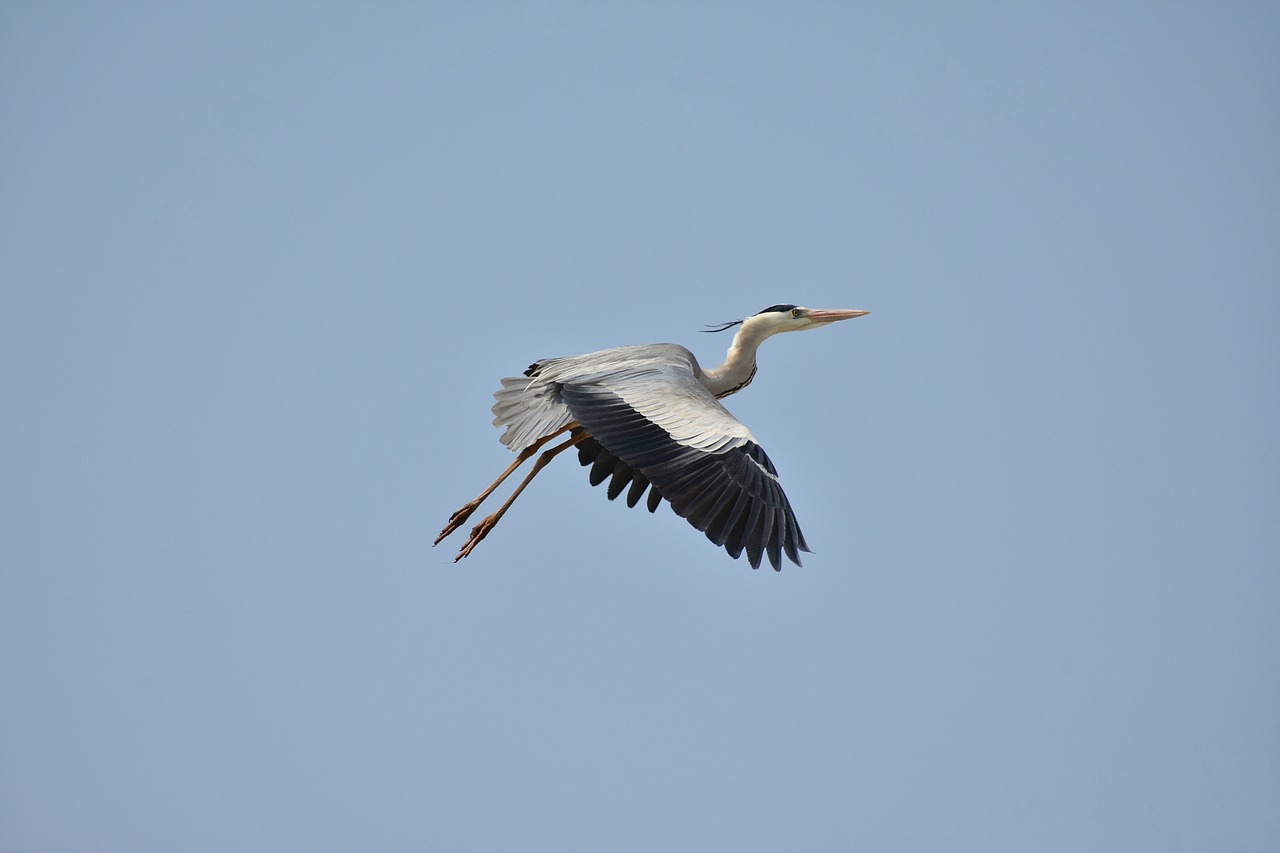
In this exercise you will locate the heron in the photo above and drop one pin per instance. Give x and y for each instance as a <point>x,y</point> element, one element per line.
<point>649,417</point>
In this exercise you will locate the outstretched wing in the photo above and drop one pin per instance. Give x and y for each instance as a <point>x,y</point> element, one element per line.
<point>657,426</point>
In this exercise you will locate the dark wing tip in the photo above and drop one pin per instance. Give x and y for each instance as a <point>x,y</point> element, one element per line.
<point>605,466</point>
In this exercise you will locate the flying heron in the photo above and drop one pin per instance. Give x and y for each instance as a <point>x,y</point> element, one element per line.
<point>649,417</point>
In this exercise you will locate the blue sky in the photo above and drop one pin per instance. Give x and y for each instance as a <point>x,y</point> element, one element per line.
<point>263,265</point>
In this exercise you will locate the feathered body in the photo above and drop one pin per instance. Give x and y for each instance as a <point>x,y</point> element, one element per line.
<point>649,418</point>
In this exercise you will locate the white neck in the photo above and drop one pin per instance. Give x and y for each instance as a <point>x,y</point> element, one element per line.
<point>739,366</point>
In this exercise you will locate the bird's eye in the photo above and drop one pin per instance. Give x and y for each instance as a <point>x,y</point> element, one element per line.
<point>795,312</point>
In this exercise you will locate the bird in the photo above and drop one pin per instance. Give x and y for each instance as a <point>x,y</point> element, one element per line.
<point>649,417</point>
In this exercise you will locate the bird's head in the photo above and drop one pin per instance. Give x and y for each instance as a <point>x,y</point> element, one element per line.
<point>789,318</point>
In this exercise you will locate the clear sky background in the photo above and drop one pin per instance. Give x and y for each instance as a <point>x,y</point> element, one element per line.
<point>262,265</point>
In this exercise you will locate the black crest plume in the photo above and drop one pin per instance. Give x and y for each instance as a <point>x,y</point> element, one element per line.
<point>721,327</point>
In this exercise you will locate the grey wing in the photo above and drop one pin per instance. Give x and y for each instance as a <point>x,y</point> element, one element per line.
<point>658,426</point>
<point>529,407</point>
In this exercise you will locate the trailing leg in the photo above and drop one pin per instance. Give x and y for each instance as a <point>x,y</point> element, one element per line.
<point>459,518</point>
<point>482,529</point>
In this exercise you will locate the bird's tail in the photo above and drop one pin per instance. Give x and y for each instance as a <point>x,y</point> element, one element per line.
<point>528,409</point>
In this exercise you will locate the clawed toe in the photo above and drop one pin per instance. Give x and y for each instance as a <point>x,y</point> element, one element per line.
<point>478,533</point>
<point>455,521</point>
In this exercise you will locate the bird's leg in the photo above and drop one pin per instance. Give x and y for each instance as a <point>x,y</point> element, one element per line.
<point>459,518</point>
<point>482,529</point>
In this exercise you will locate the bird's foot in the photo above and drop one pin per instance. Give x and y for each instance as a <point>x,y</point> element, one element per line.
<point>456,520</point>
<point>478,532</point>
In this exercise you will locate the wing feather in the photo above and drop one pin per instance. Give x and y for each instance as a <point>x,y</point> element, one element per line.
<point>639,482</point>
